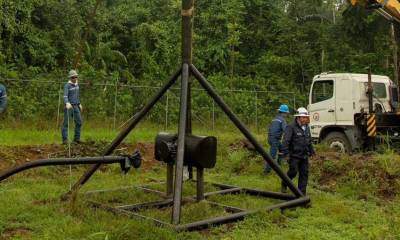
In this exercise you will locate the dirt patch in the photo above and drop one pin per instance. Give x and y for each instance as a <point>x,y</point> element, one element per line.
<point>242,144</point>
<point>16,155</point>
<point>370,172</point>
<point>12,233</point>
<point>12,156</point>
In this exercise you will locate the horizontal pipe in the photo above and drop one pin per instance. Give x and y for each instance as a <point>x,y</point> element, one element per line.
<point>228,208</point>
<point>61,161</point>
<point>224,191</point>
<point>238,213</point>
<point>140,206</point>
<point>237,216</point>
<point>275,195</point>
<point>129,214</point>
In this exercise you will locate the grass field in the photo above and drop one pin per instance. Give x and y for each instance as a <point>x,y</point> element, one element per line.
<point>353,197</point>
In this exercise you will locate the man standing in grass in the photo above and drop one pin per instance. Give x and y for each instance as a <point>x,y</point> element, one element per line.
<point>275,132</point>
<point>72,108</point>
<point>297,143</point>
<point>3,98</point>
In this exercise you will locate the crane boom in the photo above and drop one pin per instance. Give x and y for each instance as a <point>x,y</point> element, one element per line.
<point>390,9</point>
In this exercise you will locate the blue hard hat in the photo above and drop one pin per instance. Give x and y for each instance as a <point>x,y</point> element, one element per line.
<point>284,108</point>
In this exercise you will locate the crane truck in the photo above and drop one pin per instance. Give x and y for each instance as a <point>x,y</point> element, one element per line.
<point>352,112</point>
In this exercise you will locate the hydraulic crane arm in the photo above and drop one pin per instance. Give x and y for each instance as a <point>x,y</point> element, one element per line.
<point>390,9</point>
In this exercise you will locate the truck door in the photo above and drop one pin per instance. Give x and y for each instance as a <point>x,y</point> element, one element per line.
<point>344,102</point>
<point>322,105</point>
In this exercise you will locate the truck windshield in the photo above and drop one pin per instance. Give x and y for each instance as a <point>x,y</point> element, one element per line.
<point>322,90</point>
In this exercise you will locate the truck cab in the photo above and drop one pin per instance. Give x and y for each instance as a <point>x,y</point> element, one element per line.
<point>338,104</point>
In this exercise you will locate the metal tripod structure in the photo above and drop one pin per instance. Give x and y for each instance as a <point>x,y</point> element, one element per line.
<point>173,195</point>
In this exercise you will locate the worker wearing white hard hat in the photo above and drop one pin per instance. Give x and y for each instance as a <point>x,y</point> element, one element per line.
<point>297,143</point>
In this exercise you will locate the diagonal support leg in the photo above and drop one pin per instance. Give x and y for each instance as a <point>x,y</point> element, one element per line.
<point>176,210</point>
<point>210,90</point>
<point>124,133</point>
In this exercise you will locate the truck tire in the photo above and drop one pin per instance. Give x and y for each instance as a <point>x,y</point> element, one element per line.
<point>338,141</point>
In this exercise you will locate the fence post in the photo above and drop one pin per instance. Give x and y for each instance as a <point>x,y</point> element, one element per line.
<point>166,111</point>
<point>115,103</point>
<point>59,105</point>
<point>256,102</point>
<point>213,115</point>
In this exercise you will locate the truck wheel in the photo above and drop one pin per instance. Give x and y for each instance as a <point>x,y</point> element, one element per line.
<point>338,142</point>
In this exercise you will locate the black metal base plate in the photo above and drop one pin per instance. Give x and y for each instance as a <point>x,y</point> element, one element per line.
<point>235,213</point>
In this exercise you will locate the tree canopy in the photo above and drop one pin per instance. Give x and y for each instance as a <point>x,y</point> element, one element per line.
<point>245,44</point>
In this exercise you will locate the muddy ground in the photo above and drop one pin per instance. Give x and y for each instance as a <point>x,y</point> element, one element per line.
<point>329,170</point>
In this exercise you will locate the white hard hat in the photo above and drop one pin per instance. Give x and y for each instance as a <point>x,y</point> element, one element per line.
<point>302,112</point>
<point>72,73</point>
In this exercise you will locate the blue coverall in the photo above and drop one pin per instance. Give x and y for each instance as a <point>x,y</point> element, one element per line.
<point>275,132</point>
<point>71,95</point>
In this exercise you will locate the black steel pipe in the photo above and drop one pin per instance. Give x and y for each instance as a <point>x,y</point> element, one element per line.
<point>187,36</point>
<point>187,46</point>
<point>238,216</point>
<point>211,92</point>
<point>274,195</point>
<point>129,213</point>
<point>170,179</point>
<point>370,92</point>
<point>225,191</point>
<point>200,183</point>
<point>147,205</point>
<point>256,192</point>
<point>176,210</point>
<point>62,161</point>
<point>124,133</point>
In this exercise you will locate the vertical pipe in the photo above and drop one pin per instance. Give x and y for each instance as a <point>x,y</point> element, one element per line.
<point>200,183</point>
<point>187,38</point>
<point>370,92</point>
<point>210,90</point>
<point>395,57</point>
<point>176,210</point>
<point>170,179</point>
<point>371,112</point>
<point>187,12</point>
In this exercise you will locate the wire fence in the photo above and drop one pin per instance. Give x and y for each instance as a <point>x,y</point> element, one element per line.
<point>112,103</point>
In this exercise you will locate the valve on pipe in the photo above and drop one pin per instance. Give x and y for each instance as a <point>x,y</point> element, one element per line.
<point>125,161</point>
<point>200,151</point>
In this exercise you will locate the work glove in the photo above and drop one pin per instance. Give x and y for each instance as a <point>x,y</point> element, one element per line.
<point>80,107</point>
<point>68,105</point>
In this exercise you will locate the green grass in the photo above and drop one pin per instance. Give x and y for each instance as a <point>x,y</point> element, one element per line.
<point>26,134</point>
<point>31,206</point>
